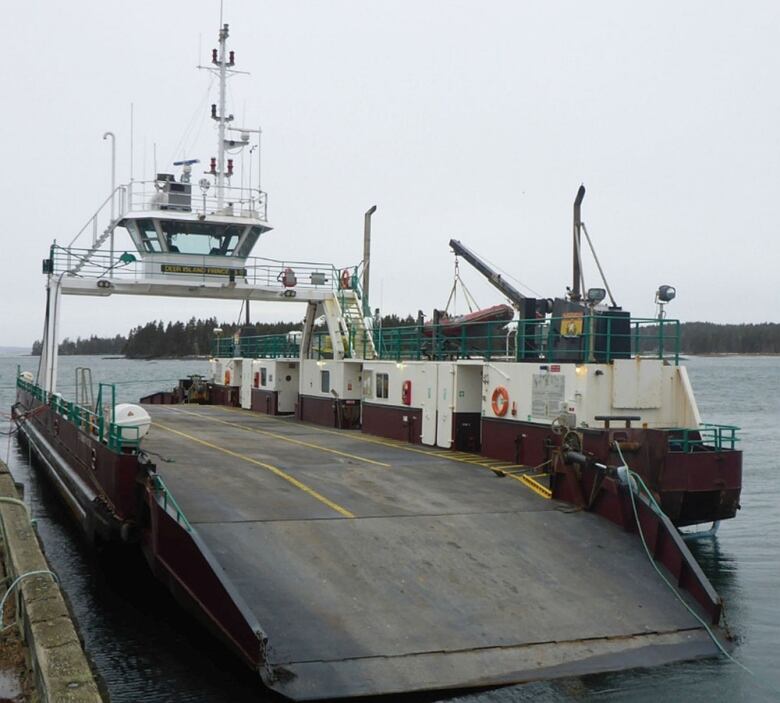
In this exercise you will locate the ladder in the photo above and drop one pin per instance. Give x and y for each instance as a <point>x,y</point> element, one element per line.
<point>83,260</point>
<point>358,327</point>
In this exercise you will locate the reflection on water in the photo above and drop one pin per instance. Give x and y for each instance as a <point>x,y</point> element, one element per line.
<point>145,648</point>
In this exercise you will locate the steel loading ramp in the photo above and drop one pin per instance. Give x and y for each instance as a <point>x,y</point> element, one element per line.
<point>379,568</point>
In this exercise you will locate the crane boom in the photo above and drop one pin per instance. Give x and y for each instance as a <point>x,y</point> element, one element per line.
<point>495,278</point>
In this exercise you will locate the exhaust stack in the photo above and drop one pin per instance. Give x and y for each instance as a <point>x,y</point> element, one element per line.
<point>367,258</point>
<point>576,292</point>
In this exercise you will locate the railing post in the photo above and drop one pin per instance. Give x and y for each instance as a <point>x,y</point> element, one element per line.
<point>677,343</point>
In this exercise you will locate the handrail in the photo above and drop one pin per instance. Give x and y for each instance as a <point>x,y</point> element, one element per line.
<point>167,497</point>
<point>107,431</point>
<point>97,212</point>
<point>126,266</point>
<point>707,437</point>
<point>523,340</point>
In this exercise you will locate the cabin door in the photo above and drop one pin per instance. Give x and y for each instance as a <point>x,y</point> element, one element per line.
<point>428,382</point>
<point>445,404</point>
<point>243,370</point>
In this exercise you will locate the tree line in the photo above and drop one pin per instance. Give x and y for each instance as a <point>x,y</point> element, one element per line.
<point>194,338</point>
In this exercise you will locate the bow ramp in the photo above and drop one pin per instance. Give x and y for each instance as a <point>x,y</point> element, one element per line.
<point>374,567</point>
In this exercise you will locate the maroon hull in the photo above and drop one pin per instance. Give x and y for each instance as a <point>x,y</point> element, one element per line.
<point>224,395</point>
<point>112,497</point>
<point>264,401</point>
<point>185,565</point>
<point>102,482</point>
<point>392,421</point>
<point>691,487</point>
<point>344,414</point>
<point>605,496</point>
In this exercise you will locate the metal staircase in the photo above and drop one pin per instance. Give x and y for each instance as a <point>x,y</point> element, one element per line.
<point>113,208</point>
<point>360,337</point>
<point>83,260</point>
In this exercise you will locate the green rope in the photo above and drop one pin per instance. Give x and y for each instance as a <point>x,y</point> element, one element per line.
<point>672,587</point>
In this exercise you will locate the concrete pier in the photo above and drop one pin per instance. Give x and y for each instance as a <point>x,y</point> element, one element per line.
<point>57,659</point>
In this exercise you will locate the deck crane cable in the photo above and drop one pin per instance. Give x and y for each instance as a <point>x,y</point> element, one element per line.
<point>634,480</point>
<point>457,280</point>
<point>598,264</point>
<point>508,275</point>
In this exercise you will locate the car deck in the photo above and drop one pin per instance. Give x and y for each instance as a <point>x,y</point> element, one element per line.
<point>379,567</point>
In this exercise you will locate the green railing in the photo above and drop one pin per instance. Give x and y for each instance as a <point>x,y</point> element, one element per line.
<point>91,421</point>
<point>708,437</point>
<point>269,346</point>
<point>601,339</point>
<point>166,498</point>
<point>556,339</point>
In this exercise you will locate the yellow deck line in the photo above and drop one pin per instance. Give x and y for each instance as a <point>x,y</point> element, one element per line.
<point>287,439</point>
<point>535,486</point>
<point>269,467</point>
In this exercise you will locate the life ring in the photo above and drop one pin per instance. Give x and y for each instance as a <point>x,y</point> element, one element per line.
<point>500,407</point>
<point>346,279</point>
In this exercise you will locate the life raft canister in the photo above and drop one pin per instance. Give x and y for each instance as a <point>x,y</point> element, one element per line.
<point>346,279</point>
<point>500,401</point>
<point>287,278</point>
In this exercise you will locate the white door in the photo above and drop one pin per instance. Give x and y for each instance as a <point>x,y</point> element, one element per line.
<point>445,404</point>
<point>428,403</point>
<point>244,377</point>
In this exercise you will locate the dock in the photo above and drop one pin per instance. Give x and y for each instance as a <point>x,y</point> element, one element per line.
<point>374,566</point>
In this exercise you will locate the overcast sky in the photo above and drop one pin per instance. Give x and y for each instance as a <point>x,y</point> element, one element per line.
<point>474,120</point>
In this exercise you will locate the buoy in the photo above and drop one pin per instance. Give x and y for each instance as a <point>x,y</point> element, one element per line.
<point>500,401</point>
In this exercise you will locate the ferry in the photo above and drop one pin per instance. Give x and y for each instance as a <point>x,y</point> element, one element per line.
<point>357,510</point>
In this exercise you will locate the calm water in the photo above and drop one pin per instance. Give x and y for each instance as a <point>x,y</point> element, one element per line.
<point>144,648</point>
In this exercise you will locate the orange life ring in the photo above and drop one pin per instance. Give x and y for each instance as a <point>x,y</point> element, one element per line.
<point>500,408</point>
<point>346,278</point>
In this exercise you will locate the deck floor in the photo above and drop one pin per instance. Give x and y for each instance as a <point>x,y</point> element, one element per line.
<point>377,566</point>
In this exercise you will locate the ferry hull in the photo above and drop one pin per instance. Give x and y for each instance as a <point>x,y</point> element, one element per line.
<point>691,488</point>
<point>336,566</point>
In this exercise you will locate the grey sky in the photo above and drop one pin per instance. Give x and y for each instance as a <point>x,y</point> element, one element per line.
<point>469,119</point>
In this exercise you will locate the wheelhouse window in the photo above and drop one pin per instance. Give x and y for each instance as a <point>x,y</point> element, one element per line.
<point>201,238</point>
<point>325,381</point>
<point>263,377</point>
<point>147,234</point>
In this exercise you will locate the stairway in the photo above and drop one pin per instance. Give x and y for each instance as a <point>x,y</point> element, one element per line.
<point>83,260</point>
<point>360,332</point>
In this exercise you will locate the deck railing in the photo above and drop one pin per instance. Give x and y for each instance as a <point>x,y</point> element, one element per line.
<point>592,339</point>
<point>145,196</point>
<point>708,437</point>
<point>99,422</point>
<point>168,502</point>
<point>162,267</point>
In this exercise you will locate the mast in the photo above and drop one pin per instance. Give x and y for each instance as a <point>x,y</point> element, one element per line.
<point>221,118</point>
